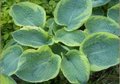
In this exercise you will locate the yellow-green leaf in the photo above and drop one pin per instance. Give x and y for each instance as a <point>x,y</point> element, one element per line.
<point>4,79</point>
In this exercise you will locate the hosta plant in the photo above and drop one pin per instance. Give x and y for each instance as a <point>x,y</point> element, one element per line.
<point>43,47</point>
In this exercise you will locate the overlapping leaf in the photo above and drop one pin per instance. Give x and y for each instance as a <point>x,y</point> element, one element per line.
<point>10,43</point>
<point>70,38</point>
<point>38,65</point>
<point>97,3</point>
<point>28,14</point>
<point>113,13</point>
<point>102,24</point>
<point>9,59</point>
<point>33,37</point>
<point>4,79</point>
<point>53,27</point>
<point>72,14</point>
<point>75,67</point>
<point>102,50</point>
<point>97,52</point>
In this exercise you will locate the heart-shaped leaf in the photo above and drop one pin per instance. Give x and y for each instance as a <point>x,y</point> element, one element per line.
<point>102,49</point>
<point>4,79</point>
<point>72,14</point>
<point>33,37</point>
<point>70,38</point>
<point>9,59</point>
<point>97,3</point>
<point>28,14</point>
<point>38,65</point>
<point>102,24</point>
<point>75,67</point>
<point>113,12</point>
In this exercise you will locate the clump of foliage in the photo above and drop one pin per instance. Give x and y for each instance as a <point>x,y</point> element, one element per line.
<point>76,39</point>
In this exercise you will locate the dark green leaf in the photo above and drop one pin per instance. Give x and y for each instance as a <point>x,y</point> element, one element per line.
<point>98,11</point>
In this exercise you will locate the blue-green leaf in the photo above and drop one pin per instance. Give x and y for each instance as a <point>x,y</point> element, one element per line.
<point>28,14</point>
<point>70,38</point>
<point>102,50</point>
<point>97,3</point>
<point>102,24</point>
<point>33,37</point>
<point>9,59</point>
<point>113,13</point>
<point>53,27</point>
<point>72,14</point>
<point>38,65</point>
<point>10,43</point>
<point>75,67</point>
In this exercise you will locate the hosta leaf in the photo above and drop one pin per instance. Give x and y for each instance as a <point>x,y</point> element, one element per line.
<point>113,13</point>
<point>53,27</point>
<point>102,24</point>
<point>75,67</point>
<point>38,65</point>
<point>97,3</point>
<point>28,14</point>
<point>102,50</point>
<point>9,59</point>
<point>4,79</point>
<point>10,43</point>
<point>70,38</point>
<point>72,14</point>
<point>32,37</point>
